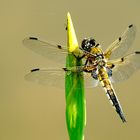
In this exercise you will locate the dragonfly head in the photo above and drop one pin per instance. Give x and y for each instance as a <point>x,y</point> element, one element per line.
<point>87,44</point>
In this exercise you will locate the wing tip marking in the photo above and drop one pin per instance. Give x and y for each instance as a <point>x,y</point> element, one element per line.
<point>59,46</point>
<point>33,38</point>
<point>137,52</point>
<point>33,70</point>
<point>122,59</point>
<point>131,25</point>
<point>120,38</point>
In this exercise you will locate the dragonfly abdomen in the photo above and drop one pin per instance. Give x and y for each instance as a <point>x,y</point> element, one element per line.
<point>115,102</point>
<point>106,84</point>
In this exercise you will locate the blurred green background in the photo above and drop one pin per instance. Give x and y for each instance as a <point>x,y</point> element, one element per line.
<point>29,111</point>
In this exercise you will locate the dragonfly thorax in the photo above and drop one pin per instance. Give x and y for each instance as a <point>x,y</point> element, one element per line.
<point>99,59</point>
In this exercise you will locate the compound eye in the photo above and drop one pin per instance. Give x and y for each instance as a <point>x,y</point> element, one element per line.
<point>86,45</point>
<point>92,42</point>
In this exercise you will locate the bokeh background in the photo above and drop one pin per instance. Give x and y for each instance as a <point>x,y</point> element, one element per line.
<point>29,111</point>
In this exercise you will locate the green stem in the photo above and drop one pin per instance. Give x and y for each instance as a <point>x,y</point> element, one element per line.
<point>75,97</point>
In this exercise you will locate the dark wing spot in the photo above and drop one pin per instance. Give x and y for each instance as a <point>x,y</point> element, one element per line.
<point>66,28</point>
<point>33,70</point>
<point>130,26</point>
<point>122,59</point>
<point>112,66</point>
<point>120,38</point>
<point>59,46</point>
<point>137,52</point>
<point>33,38</point>
<point>65,69</point>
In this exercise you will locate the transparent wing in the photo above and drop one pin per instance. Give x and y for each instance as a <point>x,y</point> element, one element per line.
<point>49,50</point>
<point>55,77</point>
<point>120,46</point>
<point>89,81</point>
<point>125,67</point>
<point>49,77</point>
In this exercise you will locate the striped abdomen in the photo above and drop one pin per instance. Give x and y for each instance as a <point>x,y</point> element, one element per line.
<point>106,84</point>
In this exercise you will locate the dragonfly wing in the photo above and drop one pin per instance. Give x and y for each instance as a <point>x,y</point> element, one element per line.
<point>89,81</point>
<point>125,66</point>
<point>120,46</point>
<point>49,77</point>
<point>56,77</point>
<point>49,50</point>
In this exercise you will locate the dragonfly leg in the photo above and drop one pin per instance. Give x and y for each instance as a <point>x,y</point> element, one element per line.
<point>86,62</point>
<point>94,74</point>
<point>74,69</point>
<point>109,71</point>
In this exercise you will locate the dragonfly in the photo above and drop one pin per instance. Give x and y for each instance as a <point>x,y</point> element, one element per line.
<point>105,67</point>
